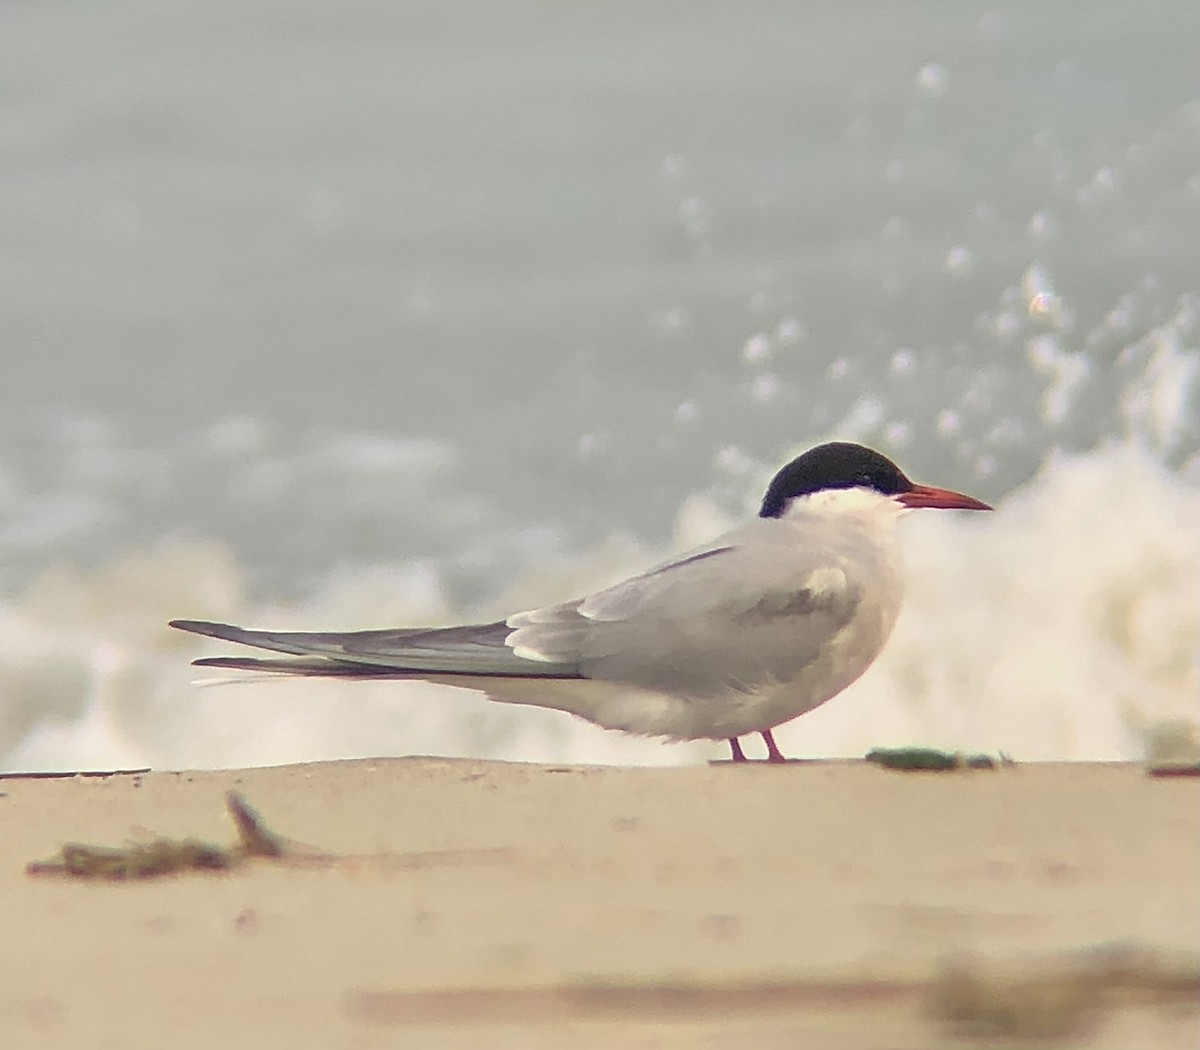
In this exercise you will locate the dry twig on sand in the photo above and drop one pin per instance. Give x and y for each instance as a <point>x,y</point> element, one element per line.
<point>167,856</point>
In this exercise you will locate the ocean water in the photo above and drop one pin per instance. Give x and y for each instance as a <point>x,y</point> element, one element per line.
<point>356,315</point>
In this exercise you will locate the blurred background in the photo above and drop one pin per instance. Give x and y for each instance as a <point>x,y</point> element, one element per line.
<point>368,313</point>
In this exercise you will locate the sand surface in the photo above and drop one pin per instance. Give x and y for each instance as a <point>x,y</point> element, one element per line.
<point>480,903</point>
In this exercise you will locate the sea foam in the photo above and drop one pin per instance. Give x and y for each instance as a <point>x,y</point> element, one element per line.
<point>1065,625</point>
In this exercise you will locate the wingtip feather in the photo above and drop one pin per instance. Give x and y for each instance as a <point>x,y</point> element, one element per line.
<point>206,627</point>
<point>314,667</point>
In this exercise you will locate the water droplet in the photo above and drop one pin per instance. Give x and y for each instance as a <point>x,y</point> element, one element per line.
<point>686,412</point>
<point>948,422</point>
<point>903,362</point>
<point>674,166</point>
<point>590,444</point>
<point>932,79</point>
<point>1041,225</point>
<point>693,216</point>
<point>1006,324</point>
<point>790,331</point>
<point>757,348</point>
<point>672,319</point>
<point>985,466</point>
<point>959,261</point>
<point>765,387</point>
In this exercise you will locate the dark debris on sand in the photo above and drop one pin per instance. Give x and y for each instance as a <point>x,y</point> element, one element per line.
<point>931,760</point>
<point>167,856</point>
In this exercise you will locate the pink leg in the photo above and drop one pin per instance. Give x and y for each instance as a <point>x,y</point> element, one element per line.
<point>738,754</point>
<point>773,752</point>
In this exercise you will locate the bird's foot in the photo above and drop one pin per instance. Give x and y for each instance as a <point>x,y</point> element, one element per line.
<point>773,752</point>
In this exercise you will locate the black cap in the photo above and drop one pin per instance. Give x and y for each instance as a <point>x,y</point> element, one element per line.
<point>837,465</point>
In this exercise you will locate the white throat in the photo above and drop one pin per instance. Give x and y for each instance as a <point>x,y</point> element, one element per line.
<point>858,503</point>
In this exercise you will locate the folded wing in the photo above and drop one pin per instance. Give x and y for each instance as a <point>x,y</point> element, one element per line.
<point>472,649</point>
<point>730,616</point>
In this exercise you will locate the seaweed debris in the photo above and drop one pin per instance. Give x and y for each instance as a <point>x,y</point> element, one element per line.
<point>928,759</point>
<point>1064,1001</point>
<point>167,856</point>
<point>1174,769</point>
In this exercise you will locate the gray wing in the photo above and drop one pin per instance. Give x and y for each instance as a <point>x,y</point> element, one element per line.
<point>739,614</point>
<point>747,609</point>
<point>473,649</point>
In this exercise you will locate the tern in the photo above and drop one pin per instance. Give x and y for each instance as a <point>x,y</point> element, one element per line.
<point>735,637</point>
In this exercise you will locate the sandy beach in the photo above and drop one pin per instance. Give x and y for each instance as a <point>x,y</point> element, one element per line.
<point>429,902</point>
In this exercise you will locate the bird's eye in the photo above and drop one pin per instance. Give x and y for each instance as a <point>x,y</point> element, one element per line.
<point>865,479</point>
